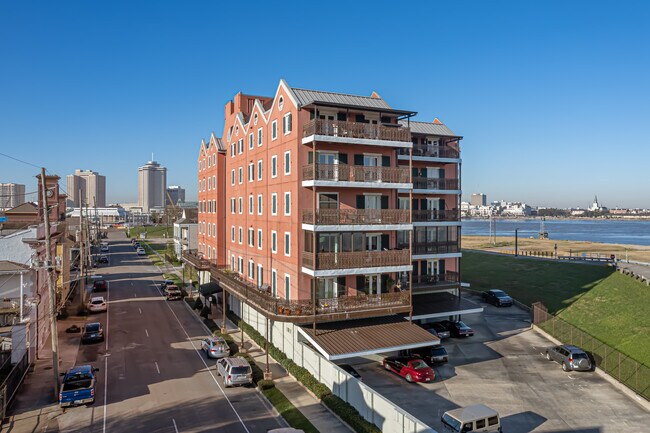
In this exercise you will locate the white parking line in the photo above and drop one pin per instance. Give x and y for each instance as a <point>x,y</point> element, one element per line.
<point>146,332</point>
<point>140,310</point>
<point>208,369</point>
<point>135,295</point>
<point>157,368</point>
<point>175,428</point>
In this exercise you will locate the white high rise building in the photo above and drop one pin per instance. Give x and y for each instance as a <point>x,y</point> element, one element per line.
<point>152,186</point>
<point>11,195</point>
<point>92,186</point>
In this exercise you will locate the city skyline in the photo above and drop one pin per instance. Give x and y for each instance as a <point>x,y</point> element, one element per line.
<point>529,89</point>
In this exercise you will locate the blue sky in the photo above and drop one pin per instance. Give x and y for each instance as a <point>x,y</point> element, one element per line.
<point>551,97</point>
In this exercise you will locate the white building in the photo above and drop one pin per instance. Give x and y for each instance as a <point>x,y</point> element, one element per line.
<point>86,187</point>
<point>186,235</point>
<point>102,215</point>
<point>11,195</point>
<point>152,186</point>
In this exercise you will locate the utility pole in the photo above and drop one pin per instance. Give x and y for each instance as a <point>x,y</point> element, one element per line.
<point>82,256</point>
<point>52,289</point>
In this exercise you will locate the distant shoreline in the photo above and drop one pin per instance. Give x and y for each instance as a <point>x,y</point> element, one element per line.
<point>548,218</point>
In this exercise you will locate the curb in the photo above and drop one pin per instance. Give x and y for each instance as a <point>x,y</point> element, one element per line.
<point>645,404</point>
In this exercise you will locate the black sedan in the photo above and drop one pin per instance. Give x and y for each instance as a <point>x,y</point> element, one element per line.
<point>437,329</point>
<point>431,354</point>
<point>497,297</point>
<point>457,328</point>
<point>349,369</point>
<point>92,332</point>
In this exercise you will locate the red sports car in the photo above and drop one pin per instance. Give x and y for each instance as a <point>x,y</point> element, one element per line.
<point>412,369</point>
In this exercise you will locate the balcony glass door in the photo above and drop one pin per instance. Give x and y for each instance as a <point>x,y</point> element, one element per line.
<point>433,269</point>
<point>373,242</point>
<point>373,284</point>
<point>372,175</point>
<point>329,161</point>
<point>327,288</point>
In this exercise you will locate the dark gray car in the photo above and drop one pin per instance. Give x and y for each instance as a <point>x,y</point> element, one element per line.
<point>570,357</point>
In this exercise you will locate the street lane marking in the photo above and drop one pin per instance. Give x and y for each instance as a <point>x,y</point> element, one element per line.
<point>157,368</point>
<point>175,428</point>
<point>200,355</point>
<point>140,310</point>
<point>135,295</point>
<point>146,332</point>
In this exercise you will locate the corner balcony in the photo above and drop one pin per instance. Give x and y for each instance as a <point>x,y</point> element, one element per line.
<point>436,249</point>
<point>355,176</point>
<point>308,310</point>
<point>355,219</point>
<point>433,185</point>
<point>429,216</point>
<point>330,264</point>
<point>430,283</point>
<point>431,153</point>
<point>336,131</point>
<point>197,261</point>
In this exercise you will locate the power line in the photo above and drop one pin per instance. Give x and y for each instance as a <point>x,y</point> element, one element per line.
<point>19,160</point>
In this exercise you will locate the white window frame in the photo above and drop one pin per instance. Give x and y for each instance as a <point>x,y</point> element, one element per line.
<point>260,137</point>
<point>260,275</point>
<point>209,165</point>
<point>241,175</point>
<point>287,167</point>
<point>274,203</point>
<point>285,122</point>
<point>274,283</point>
<point>287,286</point>
<point>233,150</point>
<point>232,177</point>
<point>240,146</point>
<point>214,182</point>
<point>214,206</point>
<point>251,141</point>
<point>274,241</point>
<point>259,204</point>
<point>251,205</point>
<point>232,234</point>
<point>251,172</point>
<point>233,205</point>
<point>214,231</point>
<point>240,264</point>
<point>260,165</point>
<point>287,245</point>
<point>287,199</point>
<point>251,237</point>
<point>251,269</point>
<point>241,235</point>
<point>259,239</point>
<point>274,166</point>
<point>274,130</point>
<point>241,205</point>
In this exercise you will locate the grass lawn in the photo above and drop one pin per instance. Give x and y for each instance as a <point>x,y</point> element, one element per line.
<point>557,285</point>
<point>151,231</point>
<point>610,306</point>
<point>289,412</point>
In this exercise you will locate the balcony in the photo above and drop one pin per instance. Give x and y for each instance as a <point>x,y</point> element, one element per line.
<point>346,217</point>
<point>435,215</point>
<point>353,132</point>
<point>432,183</point>
<point>356,176</point>
<point>442,247</point>
<point>421,150</point>
<point>306,311</point>
<point>422,283</point>
<point>355,260</point>
<point>193,258</point>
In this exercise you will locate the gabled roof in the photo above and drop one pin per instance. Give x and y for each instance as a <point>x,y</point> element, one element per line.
<point>306,97</point>
<point>216,141</point>
<point>24,208</point>
<point>9,266</point>
<point>191,215</point>
<point>437,129</point>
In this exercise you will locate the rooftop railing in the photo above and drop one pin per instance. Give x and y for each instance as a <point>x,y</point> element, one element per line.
<point>368,131</point>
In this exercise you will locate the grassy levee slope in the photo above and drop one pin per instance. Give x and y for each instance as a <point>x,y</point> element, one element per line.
<point>611,307</point>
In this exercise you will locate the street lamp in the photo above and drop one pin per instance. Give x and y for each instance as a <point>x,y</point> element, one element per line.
<point>516,242</point>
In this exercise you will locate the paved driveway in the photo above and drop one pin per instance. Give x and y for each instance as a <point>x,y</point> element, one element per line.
<point>503,366</point>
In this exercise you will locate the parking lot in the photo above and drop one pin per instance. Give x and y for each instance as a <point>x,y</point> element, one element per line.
<point>503,366</point>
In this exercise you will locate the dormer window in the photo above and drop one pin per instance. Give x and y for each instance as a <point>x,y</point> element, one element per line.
<point>255,119</point>
<point>237,130</point>
<point>280,103</point>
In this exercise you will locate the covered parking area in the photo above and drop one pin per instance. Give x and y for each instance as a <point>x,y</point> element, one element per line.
<point>362,337</point>
<point>442,305</point>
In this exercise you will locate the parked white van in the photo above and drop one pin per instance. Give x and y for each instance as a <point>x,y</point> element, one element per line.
<point>476,418</point>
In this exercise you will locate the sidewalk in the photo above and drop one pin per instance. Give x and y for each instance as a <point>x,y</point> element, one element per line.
<point>297,394</point>
<point>35,408</point>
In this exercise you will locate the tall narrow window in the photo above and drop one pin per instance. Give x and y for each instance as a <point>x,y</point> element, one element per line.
<point>232,150</point>
<point>286,124</point>
<point>241,235</point>
<point>241,205</point>
<point>232,177</point>
<point>274,241</point>
<point>287,286</point>
<point>259,239</point>
<point>251,237</point>
<point>259,169</point>
<point>287,203</point>
<point>241,175</point>
<point>287,244</point>
<point>274,166</point>
<point>232,234</point>
<point>259,137</point>
<point>240,146</point>
<point>259,204</point>
<point>274,203</point>
<point>251,172</point>
<point>251,141</point>
<point>274,130</point>
<point>251,204</point>
<point>274,283</point>
<point>287,162</point>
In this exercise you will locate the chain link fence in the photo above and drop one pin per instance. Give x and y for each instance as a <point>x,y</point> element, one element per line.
<point>617,364</point>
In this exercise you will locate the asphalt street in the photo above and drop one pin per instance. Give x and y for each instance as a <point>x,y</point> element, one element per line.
<point>152,375</point>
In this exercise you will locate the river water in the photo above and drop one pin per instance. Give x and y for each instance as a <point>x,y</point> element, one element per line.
<point>632,232</point>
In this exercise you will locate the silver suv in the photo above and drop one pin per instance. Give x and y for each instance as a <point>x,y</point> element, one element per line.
<point>235,371</point>
<point>571,357</point>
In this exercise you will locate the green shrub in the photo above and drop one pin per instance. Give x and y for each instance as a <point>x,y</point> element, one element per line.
<point>265,384</point>
<point>349,414</point>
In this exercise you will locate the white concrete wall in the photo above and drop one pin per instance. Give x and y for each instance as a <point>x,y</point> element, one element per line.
<point>374,407</point>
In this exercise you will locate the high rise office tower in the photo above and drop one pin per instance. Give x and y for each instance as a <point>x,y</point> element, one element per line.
<point>152,186</point>
<point>92,186</point>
